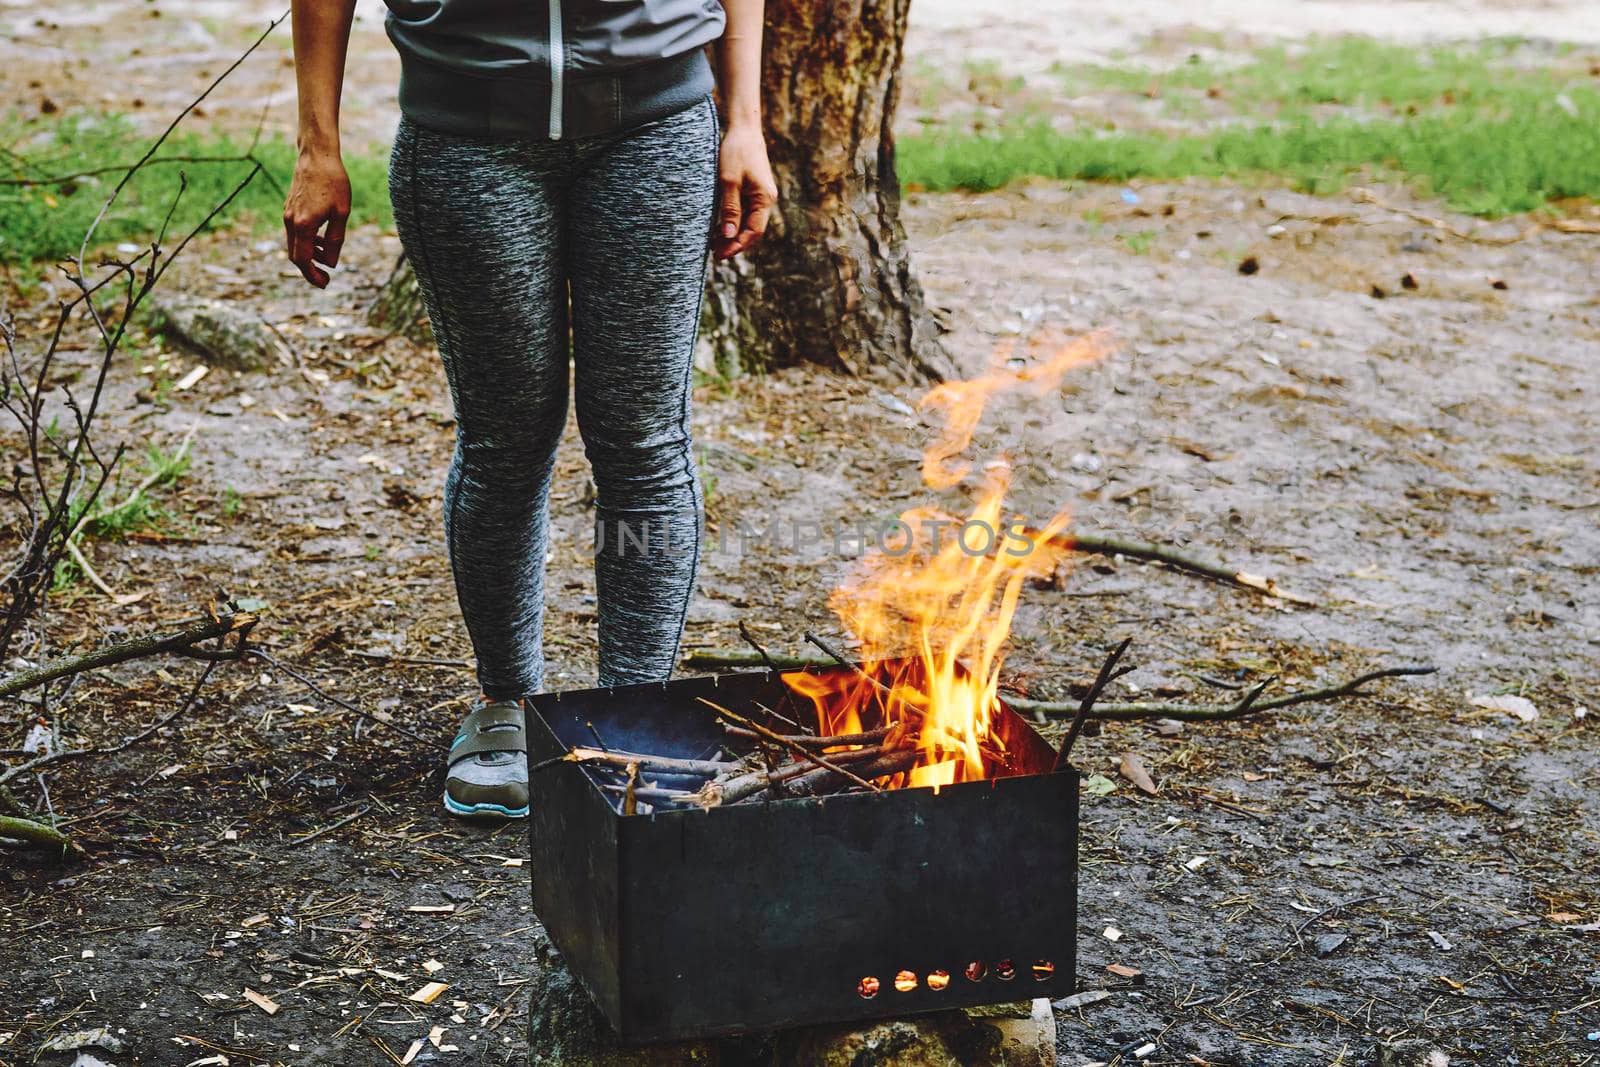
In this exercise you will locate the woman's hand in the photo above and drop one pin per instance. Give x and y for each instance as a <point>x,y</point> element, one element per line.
<point>747,191</point>
<point>315,212</point>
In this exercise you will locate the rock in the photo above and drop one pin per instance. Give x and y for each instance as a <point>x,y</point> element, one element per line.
<point>1009,1035</point>
<point>565,1027</point>
<point>220,333</point>
<point>1328,944</point>
<point>100,1037</point>
<point>1412,1052</point>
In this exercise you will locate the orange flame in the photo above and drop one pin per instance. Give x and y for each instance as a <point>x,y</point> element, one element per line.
<point>933,611</point>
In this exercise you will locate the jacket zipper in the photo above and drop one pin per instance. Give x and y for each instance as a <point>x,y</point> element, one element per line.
<point>558,60</point>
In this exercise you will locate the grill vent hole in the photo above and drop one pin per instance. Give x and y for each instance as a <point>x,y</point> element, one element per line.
<point>976,970</point>
<point>1005,970</point>
<point>1043,970</point>
<point>938,980</point>
<point>905,981</point>
<point>867,988</point>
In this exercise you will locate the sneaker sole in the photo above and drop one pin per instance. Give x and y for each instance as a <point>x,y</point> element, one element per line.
<point>499,811</point>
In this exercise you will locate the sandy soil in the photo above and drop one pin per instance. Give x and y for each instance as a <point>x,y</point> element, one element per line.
<point>1421,461</point>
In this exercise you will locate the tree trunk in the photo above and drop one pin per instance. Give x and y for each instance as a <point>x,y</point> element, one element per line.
<point>398,305</point>
<point>831,284</point>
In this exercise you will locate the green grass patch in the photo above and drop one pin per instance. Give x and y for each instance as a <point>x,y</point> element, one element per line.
<point>46,220</point>
<point>1481,129</point>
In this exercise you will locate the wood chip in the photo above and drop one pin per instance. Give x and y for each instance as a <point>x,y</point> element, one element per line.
<point>432,966</point>
<point>1521,707</point>
<point>1111,933</point>
<point>1122,970</point>
<point>1133,770</point>
<point>429,993</point>
<point>432,909</point>
<point>1079,1000</point>
<point>411,1053</point>
<point>266,1004</point>
<point>200,370</point>
<point>254,920</point>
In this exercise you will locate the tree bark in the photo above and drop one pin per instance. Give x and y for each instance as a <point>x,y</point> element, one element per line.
<point>832,283</point>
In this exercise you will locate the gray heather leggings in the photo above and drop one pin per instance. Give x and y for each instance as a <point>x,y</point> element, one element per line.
<point>500,231</point>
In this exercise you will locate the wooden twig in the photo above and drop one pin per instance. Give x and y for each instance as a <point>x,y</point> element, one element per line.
<point>1218,712</point>
<point>703,768</point>
<point>1108,671</point>
<point>338,824</point>
<point>1325,912</point>
<point>813,783</point>
<point>1113,546</point>
<point>733,790</point>
<point>122,651</point>
<point>654,794</point>
<point>345,704</point>
<point>798,749</point>
<point>420,661</point>
<point>845,661</point>
<point>744,632</point>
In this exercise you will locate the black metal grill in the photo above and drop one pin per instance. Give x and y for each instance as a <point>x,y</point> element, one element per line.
<point>763,915</point>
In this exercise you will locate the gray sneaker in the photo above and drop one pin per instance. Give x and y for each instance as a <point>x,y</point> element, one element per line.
<point>486,772</point>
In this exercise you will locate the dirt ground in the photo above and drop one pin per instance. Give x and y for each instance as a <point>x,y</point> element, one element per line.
<point>1419,457</point>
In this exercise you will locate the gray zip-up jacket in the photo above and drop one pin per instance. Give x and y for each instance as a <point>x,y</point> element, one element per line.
<point>550,68</point>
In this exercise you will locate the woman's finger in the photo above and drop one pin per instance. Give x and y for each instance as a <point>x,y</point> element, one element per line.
<point>331,242</point>
<point>302,251</point>
<point>729,208</point>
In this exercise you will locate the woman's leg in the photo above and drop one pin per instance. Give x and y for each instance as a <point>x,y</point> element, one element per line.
<point>480,222</point>
<point>639,219</point>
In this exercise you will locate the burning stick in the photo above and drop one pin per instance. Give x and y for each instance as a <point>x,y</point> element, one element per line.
<point>797,749</point>
<point>844,661</point>
<point>869,737</point>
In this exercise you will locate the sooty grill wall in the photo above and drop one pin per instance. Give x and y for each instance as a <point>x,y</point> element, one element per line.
<point>764,915</point>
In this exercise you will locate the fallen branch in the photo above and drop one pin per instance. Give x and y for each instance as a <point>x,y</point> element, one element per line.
<point>134,648</point>
<point>710,658</point>
<point>1112,546</point>
<point>106,750</point>
<point>1250,705</point>
<point>1108,673</point>
<point>379,718</point>
<point>34,833</point>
